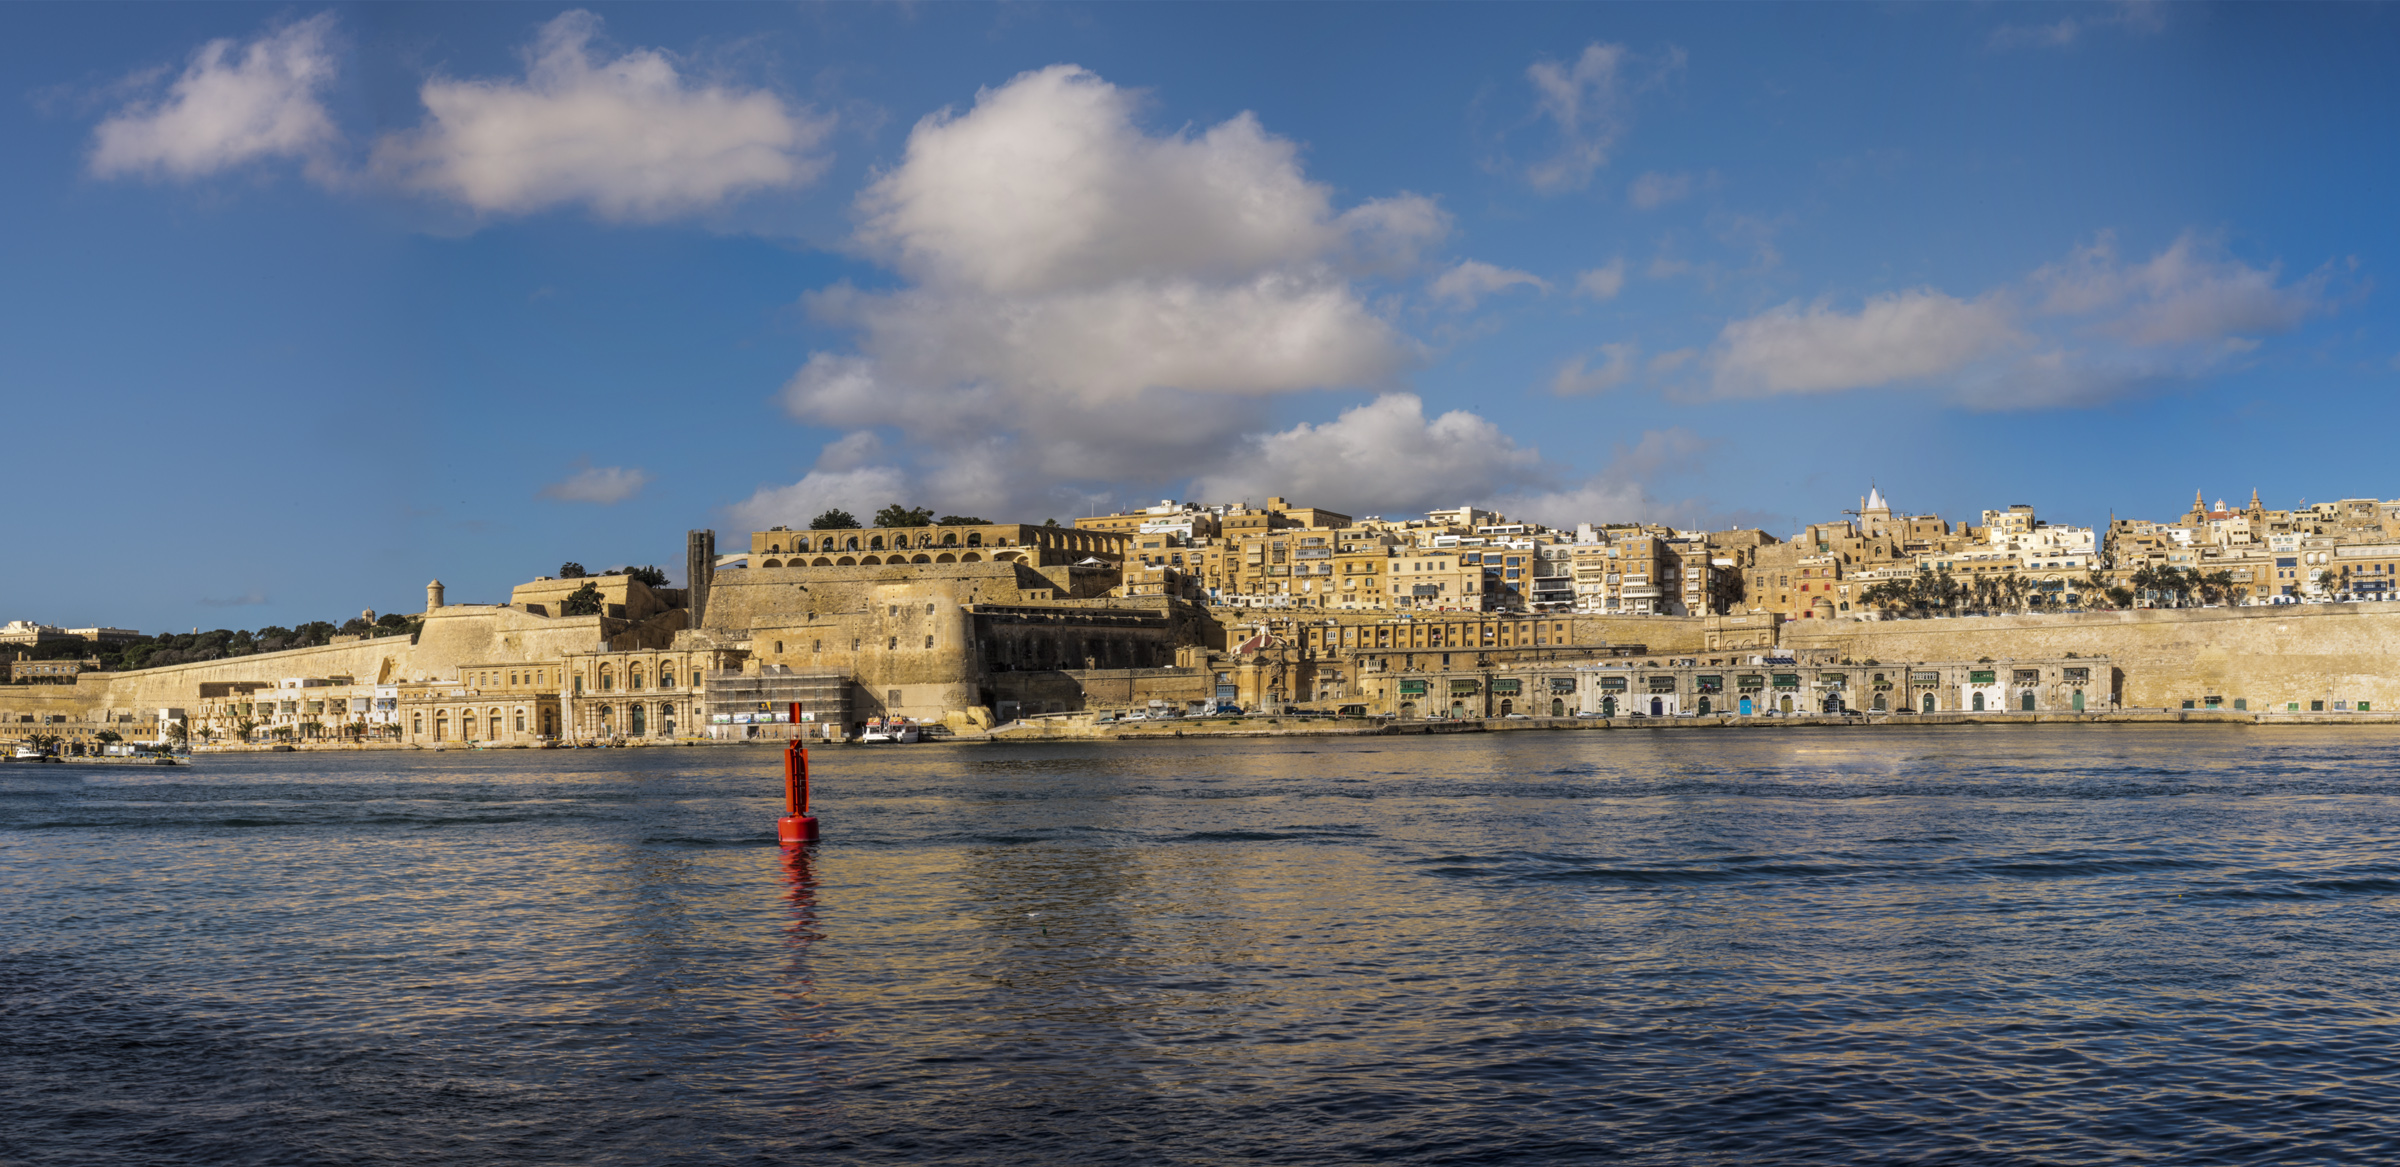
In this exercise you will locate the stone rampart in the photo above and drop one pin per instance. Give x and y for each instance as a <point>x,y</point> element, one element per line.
<point>2265,657</point>
<point>452,637</point>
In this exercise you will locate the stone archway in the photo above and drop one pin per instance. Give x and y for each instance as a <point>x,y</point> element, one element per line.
<point>770,563</point>
<point>2078,701</point>
<point>970,557</point>
<point>1977,704</point>
<point>1880,705</point>
<point>845,561</point>
<point>1786,703</point>
<point>2026,702</point>
<point>945,557</point>
<point>1928,703</point>
<point>921,558</point>
<point>1558,707</point>
<point>821,561</point>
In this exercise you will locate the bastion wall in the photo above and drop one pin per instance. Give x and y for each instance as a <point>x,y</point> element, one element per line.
<point>2267,657</point>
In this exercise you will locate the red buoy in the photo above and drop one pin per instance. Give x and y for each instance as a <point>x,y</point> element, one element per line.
<point>797,828</point>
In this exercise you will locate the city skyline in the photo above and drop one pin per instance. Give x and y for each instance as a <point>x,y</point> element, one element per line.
<point>318,303</point>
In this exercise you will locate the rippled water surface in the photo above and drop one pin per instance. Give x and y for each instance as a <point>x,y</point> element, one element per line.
<point>2075,944</point>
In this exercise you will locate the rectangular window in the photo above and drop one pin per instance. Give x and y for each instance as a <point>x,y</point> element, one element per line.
<point>1612,684</point>
<point>1787,680</point>
<point>1412,688</point>
<point>1709,683</point>
<point>1507,686</point>
<point>1465,688</point>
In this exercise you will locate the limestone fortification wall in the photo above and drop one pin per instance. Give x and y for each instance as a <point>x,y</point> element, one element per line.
<point>452,637</point>
<point>1663,635</point>
<point>740,599</point>
<point>2269,656</point>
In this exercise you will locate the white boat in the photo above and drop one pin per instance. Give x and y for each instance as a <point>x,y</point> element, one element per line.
<point>890,729</point>
<point>28,754</point>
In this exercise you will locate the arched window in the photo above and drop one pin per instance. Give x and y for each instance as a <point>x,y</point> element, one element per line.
<point>852,544</point>
<point>974,538</point>
<point>608,680</point>
<point>495,734</point>
<point>520,721</point>
<point>950,539</point>
<point>633,677</point>
<point>666,673</point>
<point>418,725</point>
<point>875,544</point>
<point>639,724</point>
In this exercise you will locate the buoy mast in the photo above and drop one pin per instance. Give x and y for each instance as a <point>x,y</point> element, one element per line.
<point>797,828</point>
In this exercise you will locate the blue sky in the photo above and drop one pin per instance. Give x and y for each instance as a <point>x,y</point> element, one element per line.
<point>307,305</point>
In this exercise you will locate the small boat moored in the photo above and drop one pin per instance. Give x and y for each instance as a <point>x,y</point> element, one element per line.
<point>890,729</point>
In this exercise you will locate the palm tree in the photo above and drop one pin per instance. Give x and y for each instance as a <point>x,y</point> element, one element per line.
<point>2014,586</point>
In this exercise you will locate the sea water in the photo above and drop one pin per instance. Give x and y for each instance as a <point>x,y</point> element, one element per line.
<point>2008,945</point>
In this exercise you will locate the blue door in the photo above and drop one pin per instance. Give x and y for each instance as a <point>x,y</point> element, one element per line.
<point>1745,707</point>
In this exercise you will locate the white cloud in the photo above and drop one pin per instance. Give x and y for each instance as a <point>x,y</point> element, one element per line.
<point>1048,184</point>
<point>1602,283</point>
<point>630,137</point>
<point>860,490</point>
<point>1384,455</point>
<point>2189,293</point>
<point>1616,368</point>
<point>235,103</point>
<point>1900,336</point>
<point>1654,190</point>
<point>2079,332</point>
<point>1091,302</point>
<point>1668,362</point>
<point>1472,279</point>
<point>1588,101</point>
<point>1617,493</point>
<point>605,485</point>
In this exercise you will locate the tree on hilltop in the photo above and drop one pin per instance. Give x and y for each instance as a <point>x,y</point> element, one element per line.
<point>651,575</point>
<point>571,570</point>
<point>834,519</point>
<point>585,601</point>
<point>960,521</point>
<point>896,515</point>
